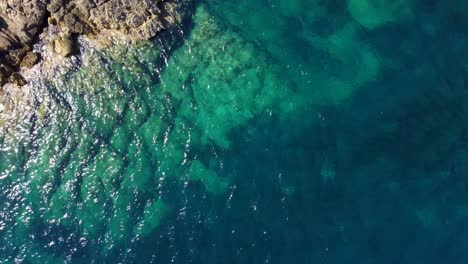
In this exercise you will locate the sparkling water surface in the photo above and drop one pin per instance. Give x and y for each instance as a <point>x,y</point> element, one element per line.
<point>266,131</point>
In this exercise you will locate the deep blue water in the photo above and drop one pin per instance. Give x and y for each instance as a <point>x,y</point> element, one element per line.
<point>267,131</point>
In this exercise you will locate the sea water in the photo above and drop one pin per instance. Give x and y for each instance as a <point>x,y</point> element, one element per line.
<point>266,131</point>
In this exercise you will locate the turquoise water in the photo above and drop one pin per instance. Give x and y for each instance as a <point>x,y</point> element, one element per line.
<point>267,131</point>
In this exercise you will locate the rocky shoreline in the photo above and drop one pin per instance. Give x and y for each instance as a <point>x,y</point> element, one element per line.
<point>22,22</point>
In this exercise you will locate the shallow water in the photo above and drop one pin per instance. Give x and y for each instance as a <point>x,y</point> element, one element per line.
<point>268,131</point>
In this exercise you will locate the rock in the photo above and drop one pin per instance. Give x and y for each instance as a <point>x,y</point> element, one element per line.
<point>15,56</point>
<point>21,21</point>
<point>17,78</point>
<point>64,46</point>
<point>30,59</point>
<point>84,16</point>
<point>69,20</point>
<point>53,7</point>
<point>5,70</point>
<point>2,80</point>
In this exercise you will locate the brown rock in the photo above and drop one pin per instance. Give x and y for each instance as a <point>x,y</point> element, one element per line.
<point>69,20</point>
<point>17,78</point>
<point>15,56</point>
<point>53,7</point>
<point>22,20</point>
<point>31,59</point>
<point>64,46</point>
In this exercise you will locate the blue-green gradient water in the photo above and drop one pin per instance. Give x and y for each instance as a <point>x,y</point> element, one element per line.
<point>259,131</point>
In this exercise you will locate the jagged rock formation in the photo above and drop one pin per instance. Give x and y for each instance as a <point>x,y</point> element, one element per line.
<point>21,21</point>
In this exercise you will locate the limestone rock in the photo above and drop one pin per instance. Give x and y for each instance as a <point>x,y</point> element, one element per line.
<point>64,46</point>
<point>17,78</point>
<point>21,21</point>
<point>30,59</point>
